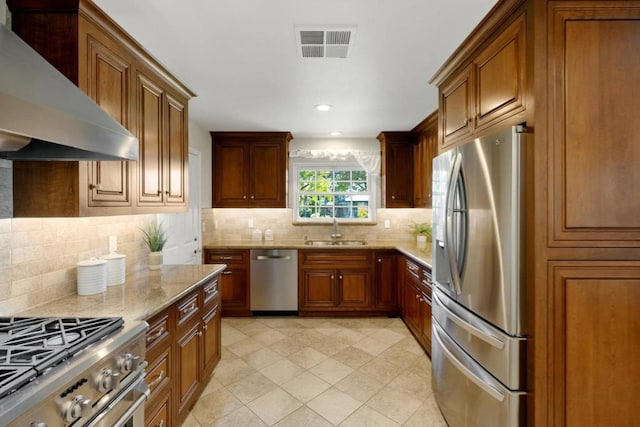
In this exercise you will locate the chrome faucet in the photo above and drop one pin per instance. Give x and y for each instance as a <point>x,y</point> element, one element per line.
<point>335,235</point>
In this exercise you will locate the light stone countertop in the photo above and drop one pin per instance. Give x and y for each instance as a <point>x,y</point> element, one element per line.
<point>144,294</point>
<point>409,248</point>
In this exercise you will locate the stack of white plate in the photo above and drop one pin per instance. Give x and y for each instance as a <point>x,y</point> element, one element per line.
<point>116,264</point>
<point>92,276</point>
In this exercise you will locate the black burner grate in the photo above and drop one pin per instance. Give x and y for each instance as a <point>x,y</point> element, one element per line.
<point>30,346</point>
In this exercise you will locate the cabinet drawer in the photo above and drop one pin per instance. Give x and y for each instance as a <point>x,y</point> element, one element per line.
<point>159,416</point>
<point>336,257</point>
<point>413,270</point>
<point>159,375</point>
<point>187,310</point>
<point>225,257</point>
<point>159,333</point>
<point>210,293</point>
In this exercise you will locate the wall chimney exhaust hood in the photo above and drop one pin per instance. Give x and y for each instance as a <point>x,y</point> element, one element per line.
<point>44,116</point>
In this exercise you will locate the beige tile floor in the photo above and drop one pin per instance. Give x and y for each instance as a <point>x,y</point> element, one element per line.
<point>317,372</point>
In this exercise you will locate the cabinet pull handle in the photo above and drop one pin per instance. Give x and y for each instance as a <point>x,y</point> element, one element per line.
<point>205,327</point>
<point>212,290</point>
<point>332,277</point>
<point>340,277</point>
<point>244,197</point>
<point>189,309</point>
<point>157,379</point>
<point>379,260</point>
<point>225,257</point>
<point>252,197</point>
<point>199,333</point>
<point>95,187</point>
<point>156,335</point>
<point>226,273</point>
<point>166,192</point>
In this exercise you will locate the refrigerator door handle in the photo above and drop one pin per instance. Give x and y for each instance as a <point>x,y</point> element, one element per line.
<point>485,336</point>
<point>466,371</point>
<point>448,226</point>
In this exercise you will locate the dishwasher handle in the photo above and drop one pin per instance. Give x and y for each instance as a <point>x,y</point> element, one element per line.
<point>263,257</point>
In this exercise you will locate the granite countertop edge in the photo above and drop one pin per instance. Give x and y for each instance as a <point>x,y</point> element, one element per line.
<point>144,294</point>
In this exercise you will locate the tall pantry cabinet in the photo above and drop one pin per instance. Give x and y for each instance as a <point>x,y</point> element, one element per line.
<point>569,70</point>
<point>130,85</point>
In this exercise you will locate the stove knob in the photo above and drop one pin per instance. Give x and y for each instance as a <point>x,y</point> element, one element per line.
<point>76,408</point>
<point>107,380</point>
<point>128,362</point>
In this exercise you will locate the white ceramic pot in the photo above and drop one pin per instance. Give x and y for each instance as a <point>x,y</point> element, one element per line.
<point>155,260</point>
<point>421,241</point>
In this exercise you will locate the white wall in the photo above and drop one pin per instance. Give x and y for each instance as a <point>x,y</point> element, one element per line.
<point>3,12</point>
<point>200,139</point>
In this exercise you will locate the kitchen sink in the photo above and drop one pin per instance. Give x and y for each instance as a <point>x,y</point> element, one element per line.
<point>335,243</point>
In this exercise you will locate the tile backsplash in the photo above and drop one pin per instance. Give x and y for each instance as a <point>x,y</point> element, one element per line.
<point>38,256</point>
<point>231,224</point>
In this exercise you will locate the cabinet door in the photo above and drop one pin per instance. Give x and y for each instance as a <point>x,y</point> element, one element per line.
<point>150,167</point>
<point>187,372</point>
<point>500,76</point>
<point>399,174</point>
<point>234,290</point>
<point>456,107</point>
<point>411,308</point>
<point>176,154</point>
<point>593,162</point>
<point>386,278</point>
<point>108,83</point>
<point>318,289</point>
<point>211,344</point>
<point>230,174</point>
<point>425,319</point>
<point>267,168</point>
<point>354,288</point>
<point>593,340</point>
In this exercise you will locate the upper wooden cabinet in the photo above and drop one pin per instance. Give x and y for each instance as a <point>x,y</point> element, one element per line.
<point>488,89</point>
<point>593,168</point>
<point>249,169</point>
<point>105,62</point>
<point>162,165</point>
<point>397,169</point>
<point>425,148</point>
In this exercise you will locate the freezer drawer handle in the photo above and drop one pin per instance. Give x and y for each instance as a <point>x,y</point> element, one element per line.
<point>492,391</point>
<point>484,336</point>
<point>261,257</point>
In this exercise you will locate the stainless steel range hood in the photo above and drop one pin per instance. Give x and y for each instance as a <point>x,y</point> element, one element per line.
<point>44,116</point>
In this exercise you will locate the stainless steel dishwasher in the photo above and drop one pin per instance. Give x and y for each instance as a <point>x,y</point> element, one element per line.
<point>274,281</point>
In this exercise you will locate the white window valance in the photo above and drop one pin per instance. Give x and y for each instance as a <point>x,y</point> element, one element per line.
<point>368,160</point>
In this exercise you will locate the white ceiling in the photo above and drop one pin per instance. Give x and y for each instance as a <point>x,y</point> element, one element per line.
<point>240,57</point>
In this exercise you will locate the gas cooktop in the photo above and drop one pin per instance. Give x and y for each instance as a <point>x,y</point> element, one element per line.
<point>30,346</point>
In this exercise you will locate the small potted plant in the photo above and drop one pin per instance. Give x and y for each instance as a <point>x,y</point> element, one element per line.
<point>422,231</point>
<point>155,238</point>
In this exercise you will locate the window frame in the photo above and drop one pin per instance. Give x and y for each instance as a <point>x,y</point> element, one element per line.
<point>299,164</point>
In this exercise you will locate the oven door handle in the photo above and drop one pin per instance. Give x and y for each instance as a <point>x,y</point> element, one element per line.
<point>138,386</point>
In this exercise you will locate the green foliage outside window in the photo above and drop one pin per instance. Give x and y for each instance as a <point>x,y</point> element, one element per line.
<point>326,193</point>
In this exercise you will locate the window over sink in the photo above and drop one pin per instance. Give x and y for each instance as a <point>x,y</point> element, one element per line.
<point>337,179</point>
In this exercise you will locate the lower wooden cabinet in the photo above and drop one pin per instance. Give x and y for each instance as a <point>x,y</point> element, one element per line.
<point>188,347</point>
<point>386,281</point>
<point>593,338</point>
<point>416,301</point>
<point>183,348</point>
<point>335,281</point>
<point>234,286</point>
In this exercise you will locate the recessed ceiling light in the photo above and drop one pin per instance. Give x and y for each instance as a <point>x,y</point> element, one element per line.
<point>336,133</point>
<point>323,107</point>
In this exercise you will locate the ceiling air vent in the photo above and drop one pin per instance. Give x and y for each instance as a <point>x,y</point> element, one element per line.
<point>325,43</point>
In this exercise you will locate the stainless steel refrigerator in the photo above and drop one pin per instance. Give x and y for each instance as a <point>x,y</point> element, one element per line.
<point>479,331</point>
